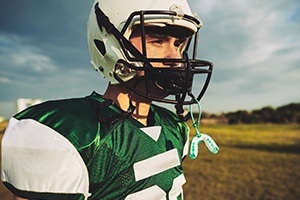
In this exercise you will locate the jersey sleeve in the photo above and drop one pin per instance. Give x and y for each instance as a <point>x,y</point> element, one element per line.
<point>39,163</point>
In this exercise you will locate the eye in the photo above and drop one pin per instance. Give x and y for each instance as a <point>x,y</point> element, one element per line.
<point>156,42</point>
<point>180,42</point>
<point>156,39</point>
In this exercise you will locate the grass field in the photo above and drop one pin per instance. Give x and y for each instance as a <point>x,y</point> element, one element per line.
<point>255,162</point>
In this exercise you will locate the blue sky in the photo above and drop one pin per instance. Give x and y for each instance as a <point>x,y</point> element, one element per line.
<point>254,44</point>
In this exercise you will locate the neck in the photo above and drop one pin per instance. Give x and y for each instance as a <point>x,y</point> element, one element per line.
<point>121,96</point>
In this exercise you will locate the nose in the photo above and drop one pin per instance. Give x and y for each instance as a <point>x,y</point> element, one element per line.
<point>172,52</point>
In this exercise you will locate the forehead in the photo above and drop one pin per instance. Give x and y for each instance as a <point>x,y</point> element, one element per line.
<point>173,31</point>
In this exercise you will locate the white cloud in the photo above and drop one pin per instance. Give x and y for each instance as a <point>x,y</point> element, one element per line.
<point>14,54</point>
<point>4,80</point>
<point>34,61</point>
<point>255,47</point>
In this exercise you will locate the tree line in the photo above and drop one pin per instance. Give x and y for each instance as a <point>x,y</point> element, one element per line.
<point>282,115</point>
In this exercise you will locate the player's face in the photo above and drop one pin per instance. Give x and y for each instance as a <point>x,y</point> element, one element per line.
<point>160,46</point>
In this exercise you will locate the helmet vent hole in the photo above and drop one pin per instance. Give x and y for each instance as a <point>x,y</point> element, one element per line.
<point>100,46</point>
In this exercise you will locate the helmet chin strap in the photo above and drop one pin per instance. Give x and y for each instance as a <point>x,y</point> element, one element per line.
<point>180,110</point>
<point>131,107</point>
<point>200,137</point>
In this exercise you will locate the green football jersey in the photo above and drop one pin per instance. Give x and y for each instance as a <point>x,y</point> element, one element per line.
<point>87,148</point>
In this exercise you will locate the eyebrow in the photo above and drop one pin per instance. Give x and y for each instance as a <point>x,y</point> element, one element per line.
<point>157,35</point>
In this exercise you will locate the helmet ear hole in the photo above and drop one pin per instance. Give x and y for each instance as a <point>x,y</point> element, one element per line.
<point>100,46</point>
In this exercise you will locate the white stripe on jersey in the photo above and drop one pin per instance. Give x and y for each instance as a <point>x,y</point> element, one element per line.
<point>151,193</point>
<point>36,158</point>
<point>177,187</point>
<point>156,164</point>
<point>156,193</point>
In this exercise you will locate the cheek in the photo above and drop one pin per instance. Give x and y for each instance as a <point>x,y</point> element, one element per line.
<point>154,52</point>
<point>136,42</point>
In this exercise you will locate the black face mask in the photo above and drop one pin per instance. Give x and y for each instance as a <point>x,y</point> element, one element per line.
<point>174,82</point>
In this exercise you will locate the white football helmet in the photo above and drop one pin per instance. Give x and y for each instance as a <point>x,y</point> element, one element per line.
<point>110,25</point>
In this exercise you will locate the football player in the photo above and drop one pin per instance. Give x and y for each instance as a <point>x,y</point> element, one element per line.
<point>118,145</point>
